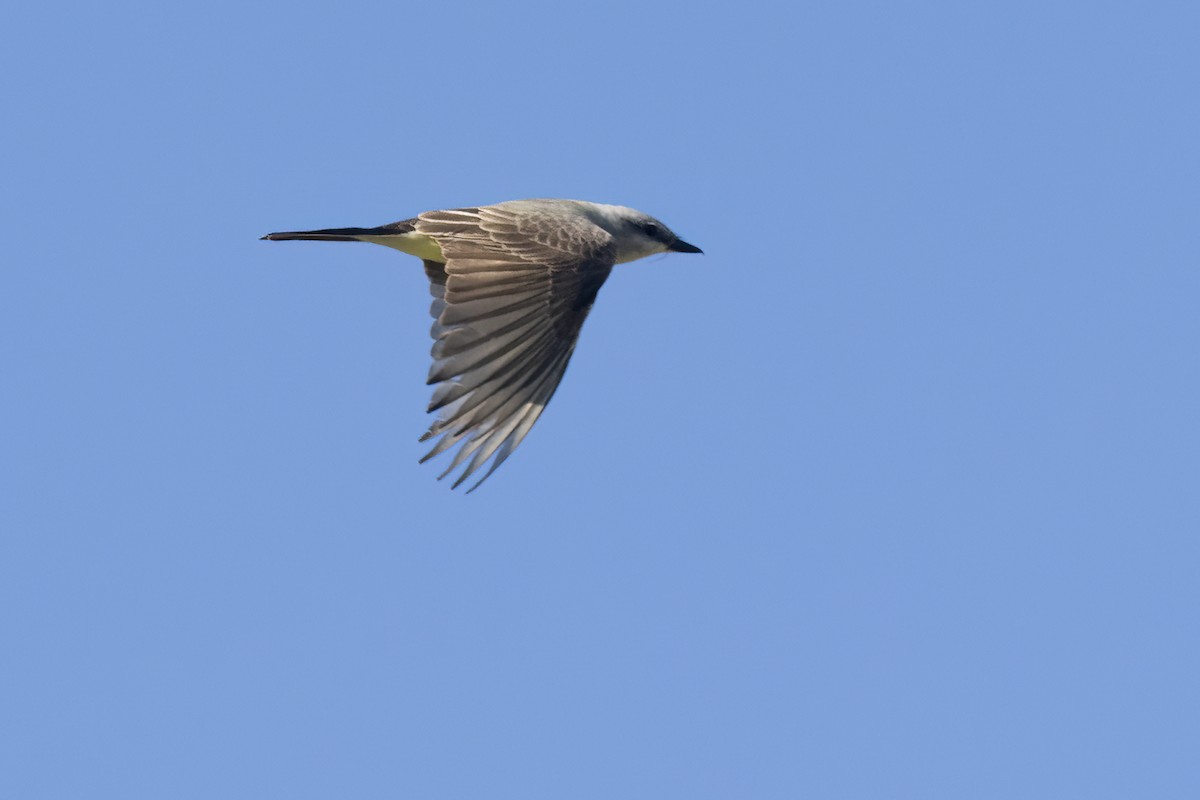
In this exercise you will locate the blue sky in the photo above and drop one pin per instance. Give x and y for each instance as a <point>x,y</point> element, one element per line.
<point>892,493</point>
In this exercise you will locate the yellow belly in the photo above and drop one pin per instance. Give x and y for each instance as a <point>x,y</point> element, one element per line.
<point>415,244</point>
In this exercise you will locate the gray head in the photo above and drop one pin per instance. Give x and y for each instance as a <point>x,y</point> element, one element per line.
<point>638,235</point>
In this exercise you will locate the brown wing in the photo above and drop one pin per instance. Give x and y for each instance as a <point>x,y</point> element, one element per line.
<point>508,306</point>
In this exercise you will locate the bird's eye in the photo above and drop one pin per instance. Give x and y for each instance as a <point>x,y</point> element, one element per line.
<point>650,229</point>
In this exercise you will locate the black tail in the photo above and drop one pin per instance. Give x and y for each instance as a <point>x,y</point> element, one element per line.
<point>343,234</point>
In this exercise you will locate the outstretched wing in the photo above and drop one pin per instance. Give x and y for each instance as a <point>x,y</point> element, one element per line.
<point>508,306</point>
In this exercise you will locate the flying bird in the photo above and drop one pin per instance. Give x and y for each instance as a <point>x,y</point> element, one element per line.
<point>512,284</point>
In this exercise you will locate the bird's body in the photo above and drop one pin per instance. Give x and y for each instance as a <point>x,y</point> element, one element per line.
<point>512,285</point>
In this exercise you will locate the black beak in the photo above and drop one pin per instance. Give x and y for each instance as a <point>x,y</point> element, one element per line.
<point>680,246</point>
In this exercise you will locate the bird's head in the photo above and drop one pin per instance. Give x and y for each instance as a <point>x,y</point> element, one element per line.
<point>638,235</point>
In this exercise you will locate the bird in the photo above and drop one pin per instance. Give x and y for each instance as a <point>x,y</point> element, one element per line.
<point>512,284</point>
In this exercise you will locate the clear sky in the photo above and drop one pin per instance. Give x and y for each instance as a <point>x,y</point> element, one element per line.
<point>891,494</point>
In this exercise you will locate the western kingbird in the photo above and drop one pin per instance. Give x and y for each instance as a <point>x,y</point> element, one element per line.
<point>512,284</point>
